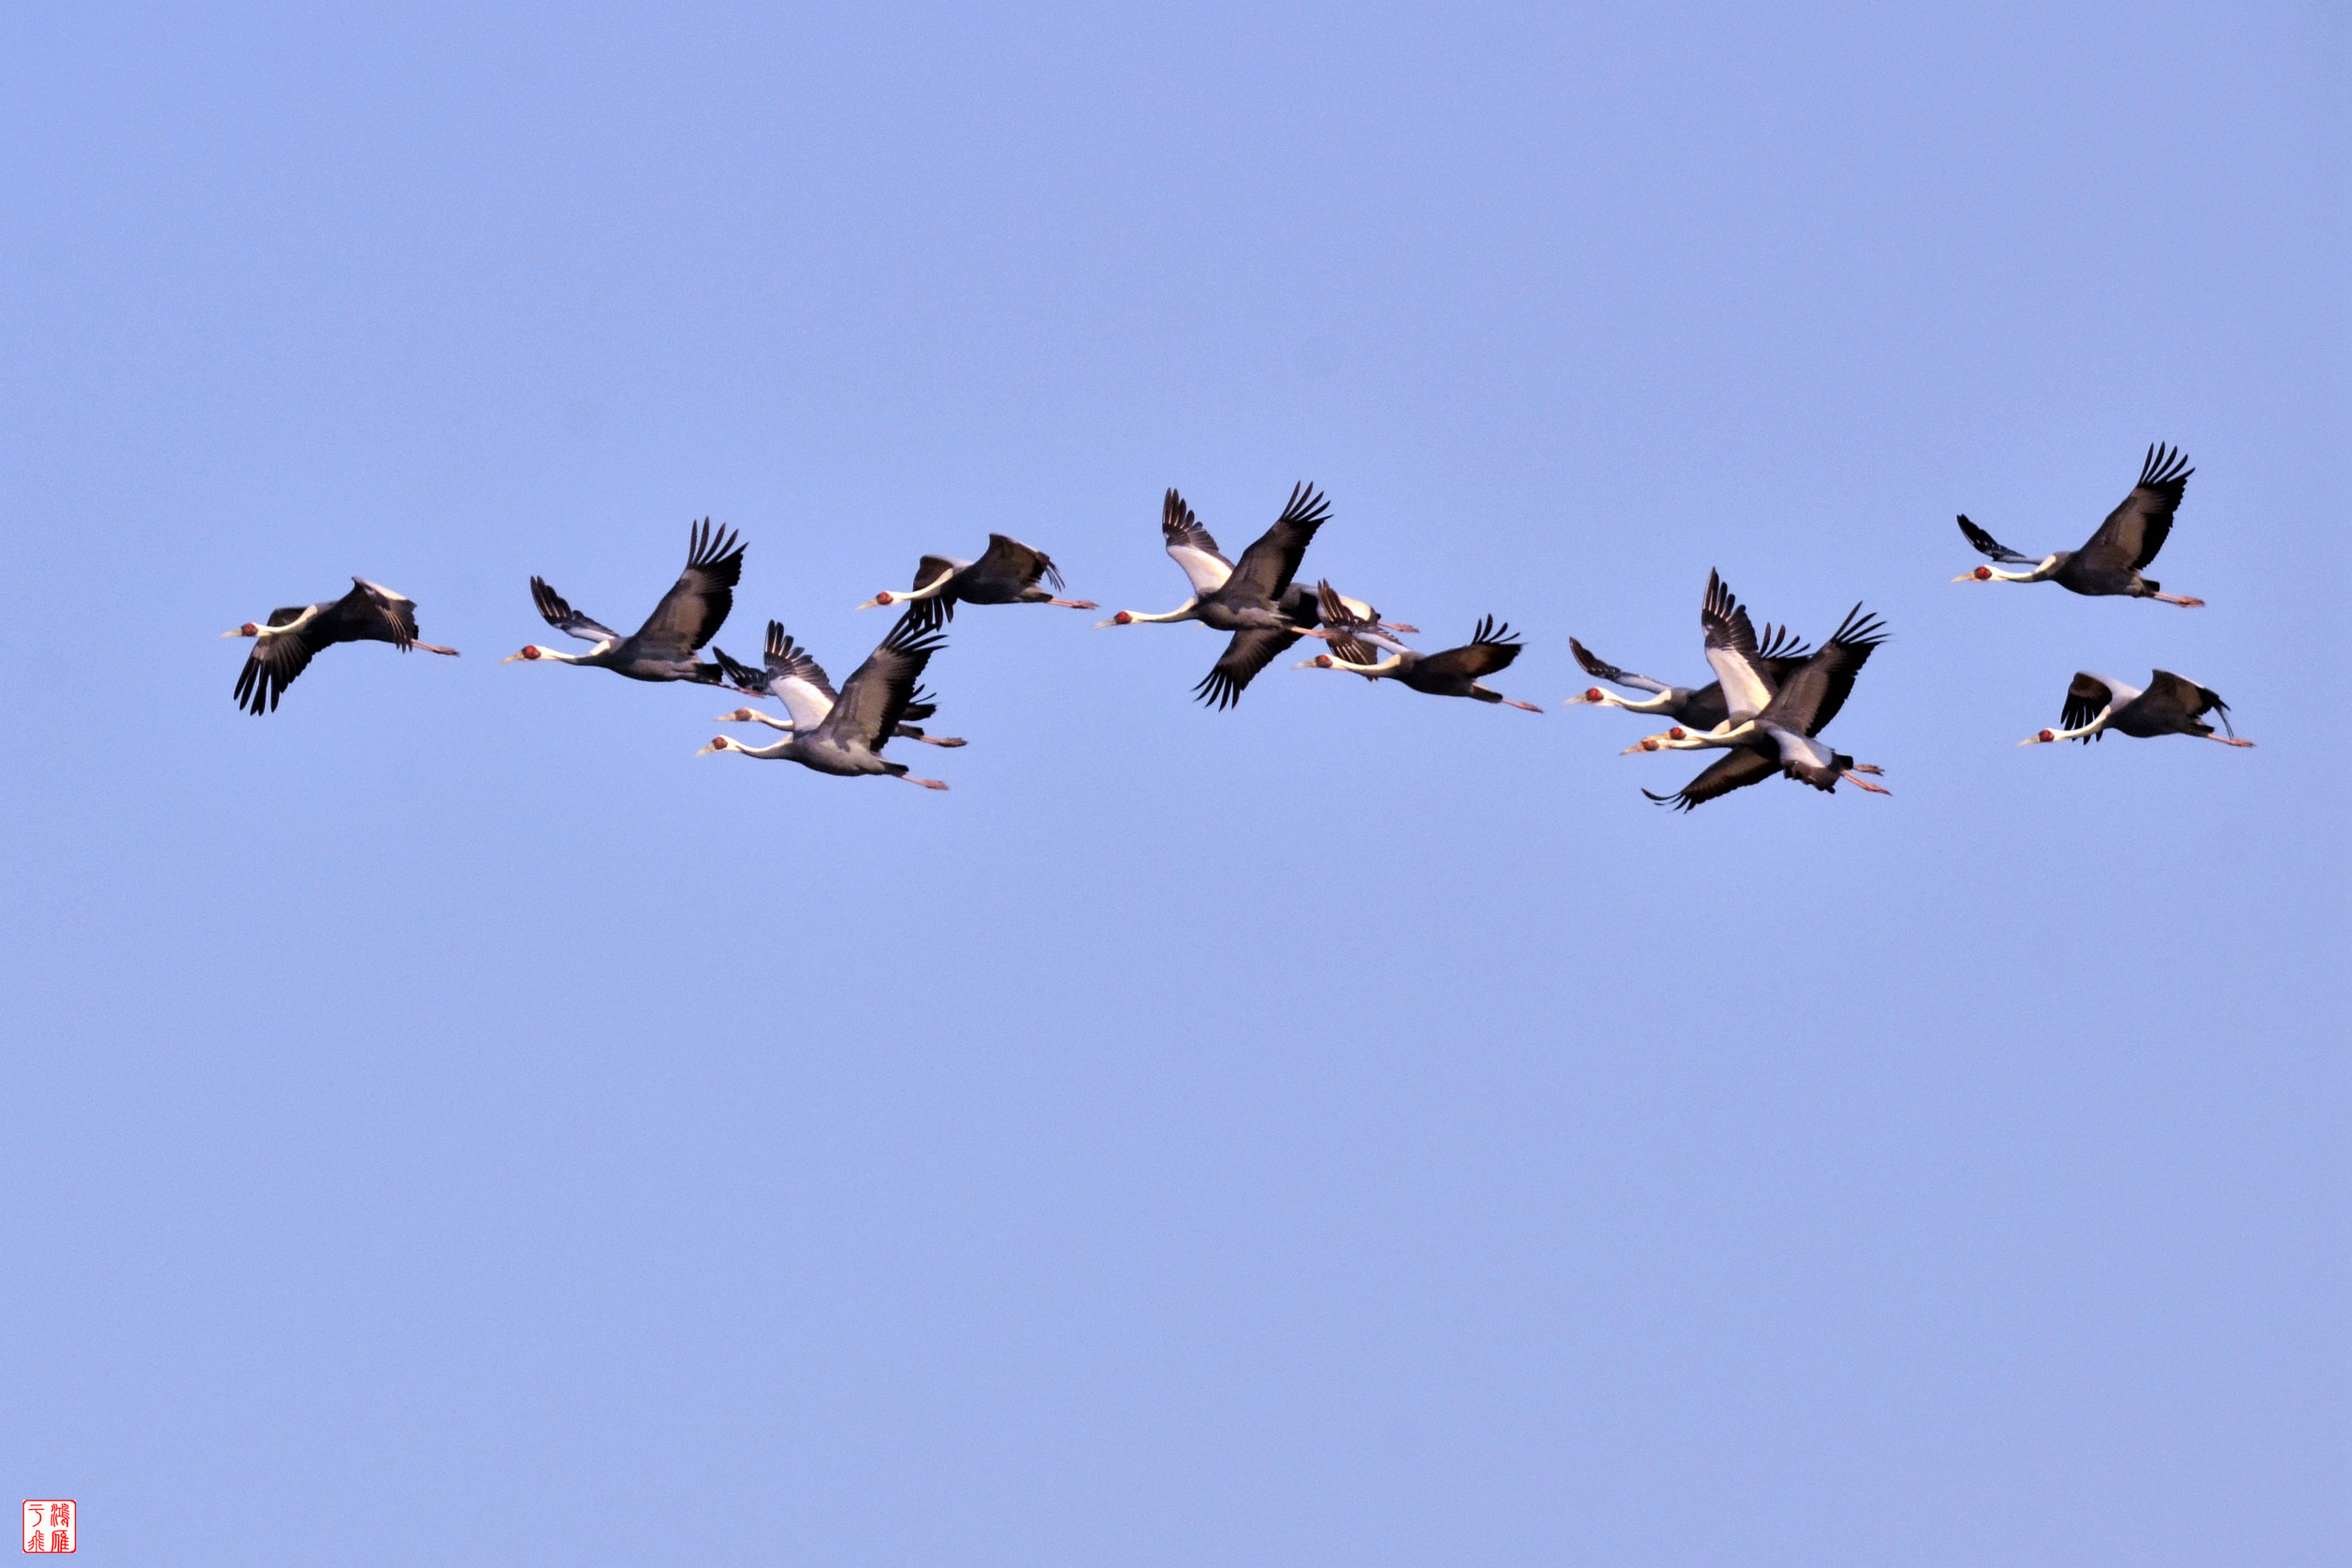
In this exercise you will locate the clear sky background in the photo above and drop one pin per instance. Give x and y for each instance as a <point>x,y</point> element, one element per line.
<point>450,1122</point>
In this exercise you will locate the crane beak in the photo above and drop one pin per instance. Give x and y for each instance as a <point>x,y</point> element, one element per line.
<point>871,603</point>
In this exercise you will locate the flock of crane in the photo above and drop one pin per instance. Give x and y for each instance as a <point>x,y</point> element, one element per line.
<point>1770,700</point>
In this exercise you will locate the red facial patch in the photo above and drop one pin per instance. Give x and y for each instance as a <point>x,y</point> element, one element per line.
<point>1592,694</point>
<point>1677,734</point>
<point>1324,659</point>
<point>882,597</point>
<point>2047,735</point>
<point>1983,574</point>
<point>718,743</point>
<point>250,630</point>
<point>1122,618</point>
<point>530,653</point>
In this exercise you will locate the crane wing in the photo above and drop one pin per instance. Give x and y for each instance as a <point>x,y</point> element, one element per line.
<point>1780,645</point>
<point>1008,559</point>
<point>1734,770</point>
<point>930,569</point>
<point>564,619</point>
<point>1987,544</point>
<point>792,677</point>
<point>875,700</point>
<point>697,603</point>
<point>938,610</point>
<point>2136,530</point>
<point>1249,652</point>
<point>1268,566</point>
<point>2195,701</point>
<point>1599,669</point>
<point>379,609</point>
<point>1810,697</point>
<point>1192,548</point>
<point>1732,652</point>
<point>1349,629</point>
<point>271,668</point>
<point>1491,647</point>
<point>2087,696</point>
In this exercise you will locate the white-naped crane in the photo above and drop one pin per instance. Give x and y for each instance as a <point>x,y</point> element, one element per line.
<point>1256,600</point>
<point>664,647</point>
<point>1779,651</point>
<point>847,739</point>
<point>1777,736</point>
<point>2170,705</point>
<point>2111,561</point>
<point>1453,673</point>
<point>1007,572</point>
<point>794,679</point>
<point>286,642</point>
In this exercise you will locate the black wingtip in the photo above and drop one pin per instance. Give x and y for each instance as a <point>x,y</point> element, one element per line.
<point>1307,507</point>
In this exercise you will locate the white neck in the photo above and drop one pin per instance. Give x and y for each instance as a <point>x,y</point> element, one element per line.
<point>1182,612</point>
<point>1660,704</point>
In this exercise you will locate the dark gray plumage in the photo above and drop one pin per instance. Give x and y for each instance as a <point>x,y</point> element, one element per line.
<point>1779,737</point>
<point>1778,652</point>
<point>1007,572</point>
<point>847,740</point>
<point>2110,561</point>
<point>794,679</point>
<point>1453,673</point>
<point>285,644</point>
<point>1256,601</point>
<point>2170,705</point>
<point>664,648</point>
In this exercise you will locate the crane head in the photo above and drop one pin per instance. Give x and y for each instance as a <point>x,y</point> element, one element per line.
<point>532,652</point>
<point>717,743</point>
<point>1589,694</point>
<point>2043,738</point>
<point>248,630</point>
<point>1981,574</point>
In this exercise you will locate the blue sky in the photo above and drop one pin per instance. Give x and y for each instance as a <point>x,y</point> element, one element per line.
<point>452,1120</point>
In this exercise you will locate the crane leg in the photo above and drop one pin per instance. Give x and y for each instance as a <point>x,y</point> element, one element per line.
<point>927,783</point>
<point>2176,599</point>
<point>1860,783</point>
